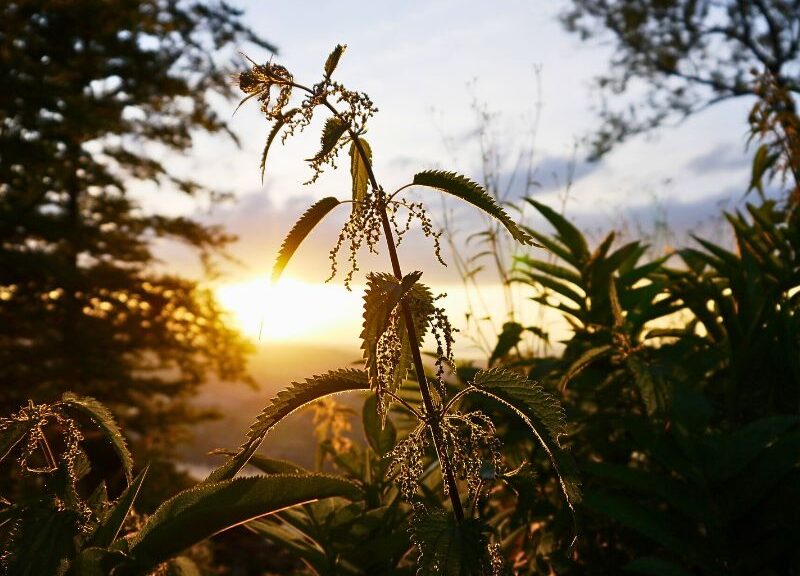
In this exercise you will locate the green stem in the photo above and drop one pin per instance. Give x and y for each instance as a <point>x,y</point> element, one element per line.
<point>430,409</point>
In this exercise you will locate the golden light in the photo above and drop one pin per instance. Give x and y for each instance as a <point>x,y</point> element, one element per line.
<point>292,310</point>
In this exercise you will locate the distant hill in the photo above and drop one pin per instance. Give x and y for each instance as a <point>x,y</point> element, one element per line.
<point>274,367</point>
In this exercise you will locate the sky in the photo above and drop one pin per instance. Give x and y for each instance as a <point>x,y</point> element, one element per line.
<point>427,65</point>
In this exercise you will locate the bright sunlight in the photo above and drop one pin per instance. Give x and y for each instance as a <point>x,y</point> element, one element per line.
<point>291,309</point>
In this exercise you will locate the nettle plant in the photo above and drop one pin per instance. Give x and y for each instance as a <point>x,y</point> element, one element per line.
<point>63,522</point>
<point>398,312</point>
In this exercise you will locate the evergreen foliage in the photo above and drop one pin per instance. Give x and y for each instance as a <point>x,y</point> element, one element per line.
<point>93,94</point>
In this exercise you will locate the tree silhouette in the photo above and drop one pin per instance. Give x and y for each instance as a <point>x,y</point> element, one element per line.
<point>92,95</point>
<point>678,57</point>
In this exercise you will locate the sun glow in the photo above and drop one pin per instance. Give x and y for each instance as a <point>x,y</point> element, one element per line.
<point>292,310</point>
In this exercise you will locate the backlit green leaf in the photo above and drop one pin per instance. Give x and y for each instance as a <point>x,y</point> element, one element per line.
<point>105,421</point>
<point>449,548</point>
<point>287,401</point>
<point>469,191</point>
<point>381,438</point>
<point>331,133</point>
<point>276,128</point>
<point>542,412</point>
<point>301,229</point>
<point>384,292</point>
<point>358,172</point>
<point>333,59</point>
<point>200,512</point>
<point>106,532</point>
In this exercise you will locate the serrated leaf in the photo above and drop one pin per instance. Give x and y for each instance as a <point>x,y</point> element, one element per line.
<point>287,401</point>
<point>268,465</point>
<point>105,421</point>
<point>472,192</point>
<point>331,133</point>
<point>449,548</point>
<point>276,128</point>
<point>420,301</point>
<point>512,386</point>
<point>333,59</point>
<point>299,231</point>
<point>384,292</point>
<point>106,532</point>
<point>358,172</point>
<point>542,412</point>
<point>200,512</point>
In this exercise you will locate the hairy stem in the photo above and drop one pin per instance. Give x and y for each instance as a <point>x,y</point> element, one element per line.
<point>424,388</point>
<point>407,406</point>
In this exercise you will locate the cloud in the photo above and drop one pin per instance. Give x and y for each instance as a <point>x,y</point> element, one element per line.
<point>553,172</point>
<point>664,221</point>
<point>721,158</point>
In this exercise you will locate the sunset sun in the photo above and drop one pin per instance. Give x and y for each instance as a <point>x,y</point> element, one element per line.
<point>289,310</point>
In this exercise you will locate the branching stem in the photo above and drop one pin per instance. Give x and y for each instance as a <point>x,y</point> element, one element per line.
<point>407,406</point>
<point>396,192</point>
<point>424,388</point>
<point>459,395</point>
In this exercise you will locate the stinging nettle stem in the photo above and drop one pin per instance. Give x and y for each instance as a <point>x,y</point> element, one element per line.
<point>419,369</point>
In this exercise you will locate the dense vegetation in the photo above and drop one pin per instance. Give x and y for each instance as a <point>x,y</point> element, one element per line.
<point>675,399</point>
<point>93,94</point>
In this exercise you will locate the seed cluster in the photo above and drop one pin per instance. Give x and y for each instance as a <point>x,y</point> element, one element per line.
<point>37,457</point>
<point>363,228</point>
<point>389,352</point>
<point>406,460</point>
<point>443,334</point>
<point>260,82</point>
<point>273,85</point>
<point>471,439</point>
<point>414,211</point>
<point>36,418</point>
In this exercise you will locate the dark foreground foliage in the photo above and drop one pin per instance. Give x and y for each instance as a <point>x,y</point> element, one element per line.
<point>682,383</point>
<point>93,94</point>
